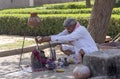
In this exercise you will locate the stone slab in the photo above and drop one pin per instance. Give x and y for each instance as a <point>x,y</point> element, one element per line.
<point>103,62</point>
<point>105,77</point>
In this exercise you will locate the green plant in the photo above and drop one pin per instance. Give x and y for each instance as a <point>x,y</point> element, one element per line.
<point>15,24</point>
<point>68,5</point>
<point>117,4</point>
<point>53,11</point>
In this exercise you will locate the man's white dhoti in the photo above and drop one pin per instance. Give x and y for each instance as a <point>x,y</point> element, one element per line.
<point>68,47</point>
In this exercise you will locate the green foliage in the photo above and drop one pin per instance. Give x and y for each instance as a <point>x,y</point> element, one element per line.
<point>14,21</point>
<point>117,4</point>
<point>15,24</point>
<point>116,11</point>
<point>68,5</point>
<point>12,24</point>
<point>44,11</point>
<point>53,11</point>
<point>114,27</point>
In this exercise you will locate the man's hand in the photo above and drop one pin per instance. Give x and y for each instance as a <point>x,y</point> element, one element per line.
<point>42,39</point>
<point>38,40</point>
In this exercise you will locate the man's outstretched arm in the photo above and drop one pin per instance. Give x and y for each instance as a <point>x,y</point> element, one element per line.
<point>43,39</point>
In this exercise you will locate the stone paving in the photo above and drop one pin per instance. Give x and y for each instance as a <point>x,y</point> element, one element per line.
<point>9,69</point>
<point>9,65</point>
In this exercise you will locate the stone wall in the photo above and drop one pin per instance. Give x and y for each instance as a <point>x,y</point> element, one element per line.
<point>104,63</point>
<point>13,3</point>
<point>39,2</point>
<point>26,3</point>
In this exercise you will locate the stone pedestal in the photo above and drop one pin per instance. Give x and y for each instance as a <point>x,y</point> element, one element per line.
<point>103,63</point>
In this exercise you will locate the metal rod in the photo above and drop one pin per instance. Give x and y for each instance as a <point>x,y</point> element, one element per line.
<point>51,52</point>
<point>22,51</point>
<point>50,46</point>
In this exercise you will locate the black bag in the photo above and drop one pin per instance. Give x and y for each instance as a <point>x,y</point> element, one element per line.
<point>38,60</point>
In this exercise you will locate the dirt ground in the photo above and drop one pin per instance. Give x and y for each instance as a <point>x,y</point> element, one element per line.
<point>9,66</point>
<point>9,69</point>
<point>10,39</point>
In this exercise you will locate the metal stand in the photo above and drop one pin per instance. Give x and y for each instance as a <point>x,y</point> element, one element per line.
<point>21,52</point>
<point>52,52</point>
<point>19,59</point>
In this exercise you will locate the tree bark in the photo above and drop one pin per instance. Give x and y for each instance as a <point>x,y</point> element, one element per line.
<point>99,20</point>
<point>88,4</point>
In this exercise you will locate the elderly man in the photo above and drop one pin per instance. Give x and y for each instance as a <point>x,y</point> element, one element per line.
<point>78,38</point>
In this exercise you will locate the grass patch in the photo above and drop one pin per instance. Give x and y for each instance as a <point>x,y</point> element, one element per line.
<point>16,44</point>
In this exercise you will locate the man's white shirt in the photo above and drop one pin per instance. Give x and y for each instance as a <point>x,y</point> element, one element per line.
<point>79,38</point>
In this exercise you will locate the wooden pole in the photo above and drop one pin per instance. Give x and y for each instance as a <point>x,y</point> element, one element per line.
<point>25,50</point>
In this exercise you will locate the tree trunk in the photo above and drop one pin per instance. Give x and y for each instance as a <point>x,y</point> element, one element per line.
<point>99,20</point>
<point>88,4</point>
